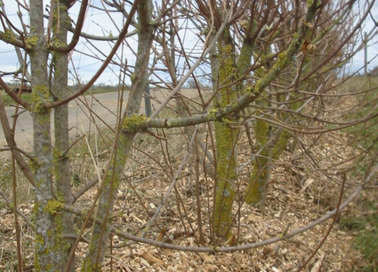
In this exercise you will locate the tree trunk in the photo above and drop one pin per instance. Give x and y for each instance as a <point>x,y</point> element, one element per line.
<point>123,144</point>
<point>272,144</point>
<point>45,248</point>
<point>64,220</point>
<point>225,136</point>
<point>110,184</point>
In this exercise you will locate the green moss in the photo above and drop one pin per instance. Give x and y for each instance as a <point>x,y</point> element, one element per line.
<point>38,244</point>
<point>249,89</point>
<point>133,122</point>
<point>112,179</point>
<point>261,131</point>
<point>41,92</point>
<point>53,207</point>
<point>225,136</point>
<point>39,240</point>
<point>259,85</point>
<point>228,60</point>
<point>282,60</point>
<point>310,3</point>
<point>133,77</point>
<point>88,266</point>
<point>279,147</point>
<point>34,164</point>
<point>257,183</point>
<point>50,232</point>
<point>32,41</point>
<point>58,43</point>
<point>213,113</point>
<point>226,176</point>
<point>244,60</point>
<point>255,190</point>
<point>61,244</point>
<point>56,154</point>
<point>230,121</point>
<point>40,95</point>
<point>8,36</point>
<point>257,179</point>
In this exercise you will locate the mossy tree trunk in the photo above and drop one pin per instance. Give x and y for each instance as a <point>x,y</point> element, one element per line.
<point>263,134</point>
<point>225,70</point>
<point>46,252</point>
<point>270,142</point>
<point>123,142</point>
<point>110,183</point>
<point>64,220</point>
<point>225,136</point>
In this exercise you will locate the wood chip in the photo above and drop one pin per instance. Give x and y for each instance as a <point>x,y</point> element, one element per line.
<point>151,259</point>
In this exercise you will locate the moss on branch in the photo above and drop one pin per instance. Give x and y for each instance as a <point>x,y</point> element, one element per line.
<point>134,122</point>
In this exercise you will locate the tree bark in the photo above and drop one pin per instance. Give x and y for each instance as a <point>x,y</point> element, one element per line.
<point>45,250</point>
<point>64,220</point>
<point>123,143</point>
<point>225,136</point>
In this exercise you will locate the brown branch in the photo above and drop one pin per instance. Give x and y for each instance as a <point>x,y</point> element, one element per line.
<point>76,35</point>
<point>13,95</point>
<point>11,207</point>
<point>257,244</point>
<point>4,36</point>
<point>12,144</point>
<point>369,176</point>
<point>329,229</point>
<point>124,31</point>
<point>342,44</point>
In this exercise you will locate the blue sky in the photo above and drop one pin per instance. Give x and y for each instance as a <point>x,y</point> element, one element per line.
<point>99,24</point>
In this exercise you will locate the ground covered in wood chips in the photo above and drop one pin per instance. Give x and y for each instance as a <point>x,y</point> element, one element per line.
<point>294,200</point>
<point>304,186</point>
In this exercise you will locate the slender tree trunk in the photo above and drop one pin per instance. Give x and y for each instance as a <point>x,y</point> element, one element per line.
<point>270,141</point>
<point>110,184</point>
<point>225,136</point>
<point>64,221</point>
<point>272,144</point>
<point>45,250</point>
<point>123,143</point>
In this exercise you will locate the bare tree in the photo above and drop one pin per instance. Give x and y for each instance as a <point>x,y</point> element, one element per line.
<point>272,66</point>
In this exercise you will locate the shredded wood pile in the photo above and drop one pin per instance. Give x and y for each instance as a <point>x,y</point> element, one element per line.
<point>294,200</point>
<point>297,196</point>
<point>304,185</point>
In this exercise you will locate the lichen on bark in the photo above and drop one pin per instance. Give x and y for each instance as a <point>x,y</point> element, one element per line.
<point>225,137</point>
<point>132,123</point>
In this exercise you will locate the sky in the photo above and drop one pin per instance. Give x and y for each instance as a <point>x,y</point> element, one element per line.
<point>83,67</point>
